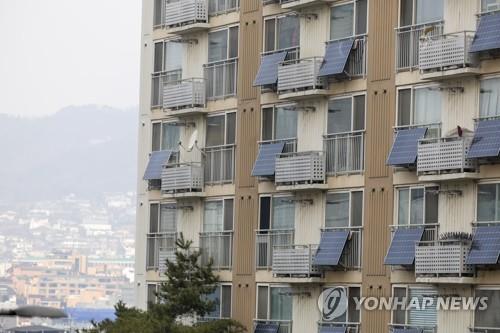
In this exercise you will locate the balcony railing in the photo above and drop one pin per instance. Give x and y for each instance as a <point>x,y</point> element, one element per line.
<point>345,152</point>
<point>184,12</point>
<point>221,78</point>
<point>216,7</point>
<point>300,75</point>
<point>266,241</point>
<point>182,177</point>
<point>442,258</point>
<point>160,246</point>
<point>350,327</point>
<point>438,155</point>
<point>351,257</point>
<point>300,168</point>
<point>431,231</point>
<point>219,164</point>
<point>423,329</point>
<point>357,61</point>
<point>189,93</point>
<point>294,260</point>
<point>285,326</point>
<point>290,144</point>
<point>433,129</point>
<point>445,51</point>
<point>159,81</point>
<point>218,247</point>
<point>408,41</point>
<point>292,53</point>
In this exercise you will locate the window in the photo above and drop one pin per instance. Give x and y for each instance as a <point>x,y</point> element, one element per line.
<point>346,114</point>
<point>221,6</point>
<point>277,212</point>
<point>414,12</point>
<point>218,216</point>
<point>221,129</point>
<point>165,136</point>
<point>420,106</point>
<point>417,205</point>
<point>352,315</point>
<point>489,100</point>
<point>223,44</point>
<point>491,316</point>
<point>347,20</point>
<point>167,67</point>
<point>274,303</point>
<point>489,5</point>
<point>344,209</point>
<point>281,33</point>
<point>222,299</point>
<point>488,202</point>
<point>162,231</point>
<point>158,12</point>
<point>413,316</point>
<point>151,293</point>
<point>279,123</point>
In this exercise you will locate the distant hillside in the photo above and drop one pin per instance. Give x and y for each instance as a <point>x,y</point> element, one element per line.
<point>84,150</point>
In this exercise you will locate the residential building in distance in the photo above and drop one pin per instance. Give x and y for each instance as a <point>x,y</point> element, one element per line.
<point>310,144</point>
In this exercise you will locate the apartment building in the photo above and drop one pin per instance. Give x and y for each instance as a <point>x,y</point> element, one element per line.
<point>311,144</point>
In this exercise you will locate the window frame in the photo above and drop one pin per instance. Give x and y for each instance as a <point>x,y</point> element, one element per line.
<point>220,285</point>
<point>348,288</point>
<point>160,204</point>
<point>481,80</point>
<point>412,89</point>
<point>228,36</point>
<point>350,192</point>
<point>354,19</point>
<point>410,188</point>
<point>414,15</point>
<point>409,287</point>
<point>488,288</point>
<point>224,201</point>
<point>274,107</point>
<point>269,286</point>
<point>275,49</point>
<point>352,98</point>
<point>486,182</point>
<point>161,124</point>
<point>271,207</point>
<point>225,114</point>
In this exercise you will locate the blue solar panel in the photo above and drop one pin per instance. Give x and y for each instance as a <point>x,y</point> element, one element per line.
<point>407,330</point>
<point>268,70</point>
<point>336,56</point>
<point>486,142</point>
<point>156,162</point>
<point>402,249</point>
<point>485,246</point>
<point>332,329</point>
<point>330,248</point>
<point>267,328</point>
<point>405,147</point>
<point>265,164</point>
<point>486,37</point>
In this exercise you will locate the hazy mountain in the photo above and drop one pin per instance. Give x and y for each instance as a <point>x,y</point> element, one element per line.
<point>85,150</point>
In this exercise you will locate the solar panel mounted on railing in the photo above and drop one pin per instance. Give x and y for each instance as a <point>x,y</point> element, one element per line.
<point>405,148</point>
<point>265,165</point>
<point>336,56</point>
<point>485,246</point>
<point>402,248</point>
<point>486,142</point>
<point>486,37</point>
<point>332,329</point>
<point>267,328</point>
<point>330,249</point>
<point>268,70</point>
<point>156,162</point>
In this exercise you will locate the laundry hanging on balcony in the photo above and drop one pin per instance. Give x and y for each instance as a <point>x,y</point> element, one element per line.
<point>156,162</point>
<point>486,37</point>
<point>331,247</point>
<point>486,142</point>
<point>336,57</point>
<point>268,70</point>
<point>265,165</point>
<point>402,249</point>
<point>404,151</point>
<point>485,248</point>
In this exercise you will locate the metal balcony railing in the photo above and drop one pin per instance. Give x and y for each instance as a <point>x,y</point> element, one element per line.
<point>345,152</point>
<point>185,12</point>
<point>423,329</point>
<point>300,168</point>
<point>350,327</point>
<point>442,258</point>
<point>217,7</point>
<point>219,164</point>
<point>408,41</point>
<point>160,246</point>
<point>357,61</point>
<point>290,144</point>
<point>433,129</point>
<point>445,51</point>
<point>300,75</point>
<point>294,260</point>
<point>189,93</point>
<point>285,326</point>
<point>431,231</point>
<point>266,240</point>
<point>221,78</point>
<point>159,81</point>
<point>293,53</point>
<point>182,177</point>
<point>438,155</point>
<point>218,247</point>
<point>353,252</point>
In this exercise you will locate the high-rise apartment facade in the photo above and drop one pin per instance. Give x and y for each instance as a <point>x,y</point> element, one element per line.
<point>324,144</point>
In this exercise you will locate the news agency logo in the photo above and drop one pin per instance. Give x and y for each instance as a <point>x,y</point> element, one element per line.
<point>332,303</point>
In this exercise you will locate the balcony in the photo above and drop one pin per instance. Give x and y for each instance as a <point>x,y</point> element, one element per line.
<point>345,153</point>
<point>351,257</point>
<point>186,16</point>
<point>408,43</point>
<point>219,164</point>
<point>300,170</point>
<point>297,4</point>
<point>298,79</point>
<point>445,159</point>
<point>446,56</point>
<point>284,326</point>
<point>218,247</point>
<point>160,247</point>
<point>329,327</point>
<point>266,241</point>
<point>442,260</point>
<point>221,78</point>
<point>412,328</point>
<point>294,261</point>
<point>184,97</point>
<point>182,179</point>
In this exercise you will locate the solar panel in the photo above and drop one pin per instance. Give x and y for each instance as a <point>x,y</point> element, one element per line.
<point>267,328</point>
<point>336,56</point>
<point>156,162</point>
<point>402,249</point>
<point>486,142</point>
<point>265,164</point>
<point>486,37</point>
<point>407,330</point>
<point>405,147</point>
<point>485,246</point>
<point>330,248</point>
<point>268,70</point>
<point>332,329</point>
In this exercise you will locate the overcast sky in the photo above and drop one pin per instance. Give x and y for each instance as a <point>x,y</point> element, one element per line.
<point>56,53</point>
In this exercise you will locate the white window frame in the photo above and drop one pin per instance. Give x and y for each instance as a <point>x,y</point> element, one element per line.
<point>414,15</point>
<point>409,287</point>
<point>481,79</point>
<point>276,18</point>
<point>410,188</point>
<point>347,287</point>
<point>225,114</point>
<point>271,207</point>
<point>157,287</point>
<point>161,203</point>
<point>349,191</point>
<point>223,199</point>
<point>273,127</point>
<point>227,28</point>
<point>161,122</point>
<point>269,286</point>
<point>412,101</point>
<point>351,96</point>
<point>354,21</point>
<point>476,192</point>
<point>230,285</point>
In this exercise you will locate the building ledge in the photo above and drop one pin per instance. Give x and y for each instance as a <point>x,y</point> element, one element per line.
<point>303,94</point>
<point>446,280</point>
<point>188,28</point>
<point>182,195</point>
<point>450,73</point>
<point>302,187</point>
<point>298,4</point>
<point>443,177</point>
<point>298,280</point>
<point>185,112</point>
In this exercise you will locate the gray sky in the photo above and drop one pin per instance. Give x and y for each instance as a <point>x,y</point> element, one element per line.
<point>55,53</point>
